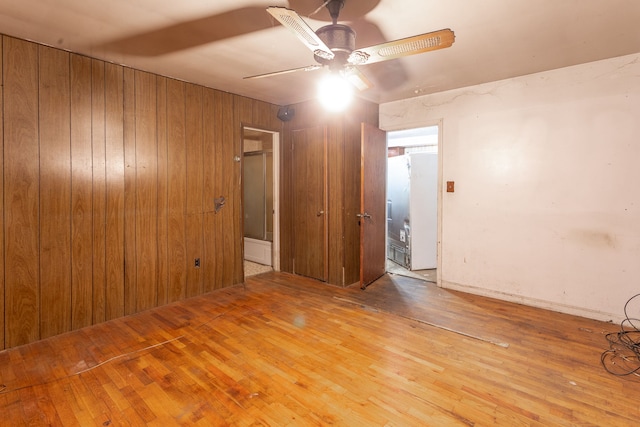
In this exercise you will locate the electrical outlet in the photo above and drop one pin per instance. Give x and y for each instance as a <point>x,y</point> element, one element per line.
<point>450,186</point>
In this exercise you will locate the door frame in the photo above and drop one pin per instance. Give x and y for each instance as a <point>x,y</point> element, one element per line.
<point>275,248</point>
<point>440,179</point>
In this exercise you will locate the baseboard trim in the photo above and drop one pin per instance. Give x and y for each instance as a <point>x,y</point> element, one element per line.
<point>533,302</point>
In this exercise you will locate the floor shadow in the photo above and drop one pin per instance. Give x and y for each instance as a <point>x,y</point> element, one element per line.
<point>427,303</point>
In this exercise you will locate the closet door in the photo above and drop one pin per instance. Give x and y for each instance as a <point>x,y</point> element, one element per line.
<point>309,202</point>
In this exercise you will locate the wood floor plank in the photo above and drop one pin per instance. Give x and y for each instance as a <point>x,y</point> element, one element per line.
<point>52,412</point>
<point>284,350</point>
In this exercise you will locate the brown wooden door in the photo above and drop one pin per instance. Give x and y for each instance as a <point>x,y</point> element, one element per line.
<point>372,204</point>
<point>309,202</point>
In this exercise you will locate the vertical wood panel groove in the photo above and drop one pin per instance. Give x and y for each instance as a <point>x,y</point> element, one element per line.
<point>163,259</point>
<point>98,148</point>
<point>209,191</point>
<point>202,184</point>
<point>219,190</point>
<point>194,129</point>
<point>2,202</point>
<point>130,214</point>
<point>226,163</point>
<point>82,196</point>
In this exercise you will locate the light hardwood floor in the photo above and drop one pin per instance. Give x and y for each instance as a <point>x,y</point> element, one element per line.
<point>286,351</point>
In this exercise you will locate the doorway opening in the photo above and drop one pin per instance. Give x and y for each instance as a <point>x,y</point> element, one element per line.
<point>260,200</point>
<point>412,202</point>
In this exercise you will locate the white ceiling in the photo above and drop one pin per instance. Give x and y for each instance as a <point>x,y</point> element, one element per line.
<point>495,39</point>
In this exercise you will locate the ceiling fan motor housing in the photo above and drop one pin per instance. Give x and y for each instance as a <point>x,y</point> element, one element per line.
<point>341,39</point>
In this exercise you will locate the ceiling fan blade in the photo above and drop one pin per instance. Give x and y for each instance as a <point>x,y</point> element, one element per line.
<point>357,78</point>
<point>403,47</point>
<point>290,19</point>
<point>386,75</point>
<point>277,73</point>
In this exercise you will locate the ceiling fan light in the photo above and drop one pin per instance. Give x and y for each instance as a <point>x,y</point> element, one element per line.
<point>334,92</point>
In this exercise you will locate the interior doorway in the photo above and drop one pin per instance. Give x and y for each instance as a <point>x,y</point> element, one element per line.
<point>412,202</point>
<point>260,200</point>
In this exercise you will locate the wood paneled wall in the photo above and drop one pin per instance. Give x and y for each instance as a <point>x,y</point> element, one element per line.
<point>2,263</point>
<point>343,186</point>
<point>109,177</point>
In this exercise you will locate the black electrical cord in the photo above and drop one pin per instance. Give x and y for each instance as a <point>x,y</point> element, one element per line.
<point>623,356</point>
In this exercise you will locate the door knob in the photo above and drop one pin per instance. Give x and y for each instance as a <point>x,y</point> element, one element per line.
<point>363,215</point>
<point>319,213</point>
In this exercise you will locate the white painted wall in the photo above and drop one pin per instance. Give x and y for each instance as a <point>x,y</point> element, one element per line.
<point>423,207</point>
<point>546,209</point>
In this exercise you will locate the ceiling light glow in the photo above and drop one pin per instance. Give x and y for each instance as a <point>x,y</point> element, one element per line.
<point>334,92</point>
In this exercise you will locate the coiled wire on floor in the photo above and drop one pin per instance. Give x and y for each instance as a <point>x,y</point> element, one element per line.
<point>623,355</point>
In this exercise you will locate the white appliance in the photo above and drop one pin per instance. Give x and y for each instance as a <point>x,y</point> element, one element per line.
<point>412,185</point>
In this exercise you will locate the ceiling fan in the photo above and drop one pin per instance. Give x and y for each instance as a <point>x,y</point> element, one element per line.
<point>333,45</point>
